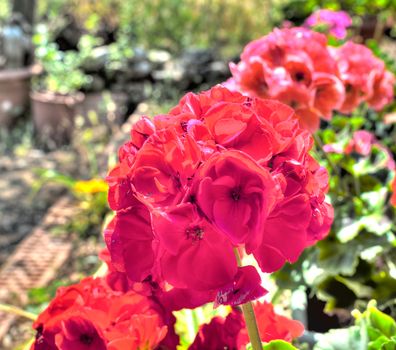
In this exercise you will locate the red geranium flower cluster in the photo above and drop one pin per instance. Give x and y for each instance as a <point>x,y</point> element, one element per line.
<point>231,332</point>
<point>364,76</point>
<point>295,66</point>
<point>91,316</point>
<point>393,198</point>
<point>221,171</point>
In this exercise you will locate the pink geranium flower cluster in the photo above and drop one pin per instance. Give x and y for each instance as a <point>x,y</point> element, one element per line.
<point>362,144</point>
<point>336,22</point>
<point>364,76</point>
<point>296,67</point>
<point>221,172</point>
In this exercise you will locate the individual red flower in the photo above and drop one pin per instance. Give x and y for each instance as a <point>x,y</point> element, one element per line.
<point>90,315</point>
<point>231,333</point>
<point>274,326</point>
<point>164,166</point>
<point>196,255</point>
<point>383,90</point>
<point>220,333</point>
<point>79,334</point>
<point>245,287</point>
<point>120,194</point>
<point>141,131</point>
<point>236,194</point>
<point>364,77</point>
<point>302,217</point>
<point>257,78</point>
<point>329,94</point>
<point>129,238</point>
<point>291,218</point>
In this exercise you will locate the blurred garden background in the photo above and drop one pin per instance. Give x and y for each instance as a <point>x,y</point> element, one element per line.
<point>75,75</point>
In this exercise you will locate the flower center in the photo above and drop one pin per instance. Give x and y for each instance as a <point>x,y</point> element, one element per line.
<point>299,76</point>
<point>236,194</point>
<point>248,102</point>
<point>293,104</point>
<point>183,125</point>
<point>195,233</point>
<point>348,88</point>
<point>86,339</point>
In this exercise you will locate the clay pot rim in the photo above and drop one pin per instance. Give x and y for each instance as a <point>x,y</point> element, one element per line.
<point>50,97</point>
<point>20,73</point>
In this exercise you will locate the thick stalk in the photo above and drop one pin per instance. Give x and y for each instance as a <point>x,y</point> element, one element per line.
<point>250,318</point>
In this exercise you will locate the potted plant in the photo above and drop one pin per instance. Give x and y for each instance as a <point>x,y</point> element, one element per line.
<point>15,69</point>
<point>56,94</point>
<point>120,77</point>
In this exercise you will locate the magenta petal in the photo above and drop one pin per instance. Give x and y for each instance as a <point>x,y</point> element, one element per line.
<point>208,265</point>
<point>183,298</point>
<point>285,233</point>
<point>169,229</point>
<point>271,260</point>
<point>245,287</point>
<point>129,239</point>
<point>230,219</point>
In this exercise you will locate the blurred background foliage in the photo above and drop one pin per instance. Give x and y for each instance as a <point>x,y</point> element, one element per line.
<point>175,24</point>
<point>168,24</point>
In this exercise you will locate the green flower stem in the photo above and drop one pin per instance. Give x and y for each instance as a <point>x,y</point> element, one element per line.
<point>250,318</point>
<point>334,167</point>
<point>17,311</point>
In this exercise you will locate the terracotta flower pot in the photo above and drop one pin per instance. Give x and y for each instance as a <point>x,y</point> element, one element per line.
<point>53,116</point>
<point>14,94</point>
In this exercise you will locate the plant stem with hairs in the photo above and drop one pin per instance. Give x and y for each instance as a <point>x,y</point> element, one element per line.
<point>250,318</point>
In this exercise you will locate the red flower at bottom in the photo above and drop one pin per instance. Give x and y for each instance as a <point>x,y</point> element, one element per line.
<point>79,334</point>
<point>231,332</point>
<point>220,333</point>
<point>90,316</point>
<point>273,326</point>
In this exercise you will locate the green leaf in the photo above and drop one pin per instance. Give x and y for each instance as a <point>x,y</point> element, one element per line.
<point>349,231</point>
<point>336,258</point>
<point>278,345</point>
<point>360,290</point>
<point>384,323</point>
<point>382,343</point>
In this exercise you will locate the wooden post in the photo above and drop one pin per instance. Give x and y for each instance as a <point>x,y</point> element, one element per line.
<point>25,8</point>
<point>23,11</point>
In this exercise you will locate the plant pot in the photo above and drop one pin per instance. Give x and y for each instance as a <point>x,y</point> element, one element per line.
<point>109,108</point>
<point>14,94</point>
<point>53,117</point>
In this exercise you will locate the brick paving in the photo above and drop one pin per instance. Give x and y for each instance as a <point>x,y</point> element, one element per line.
<point>36,260</point>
